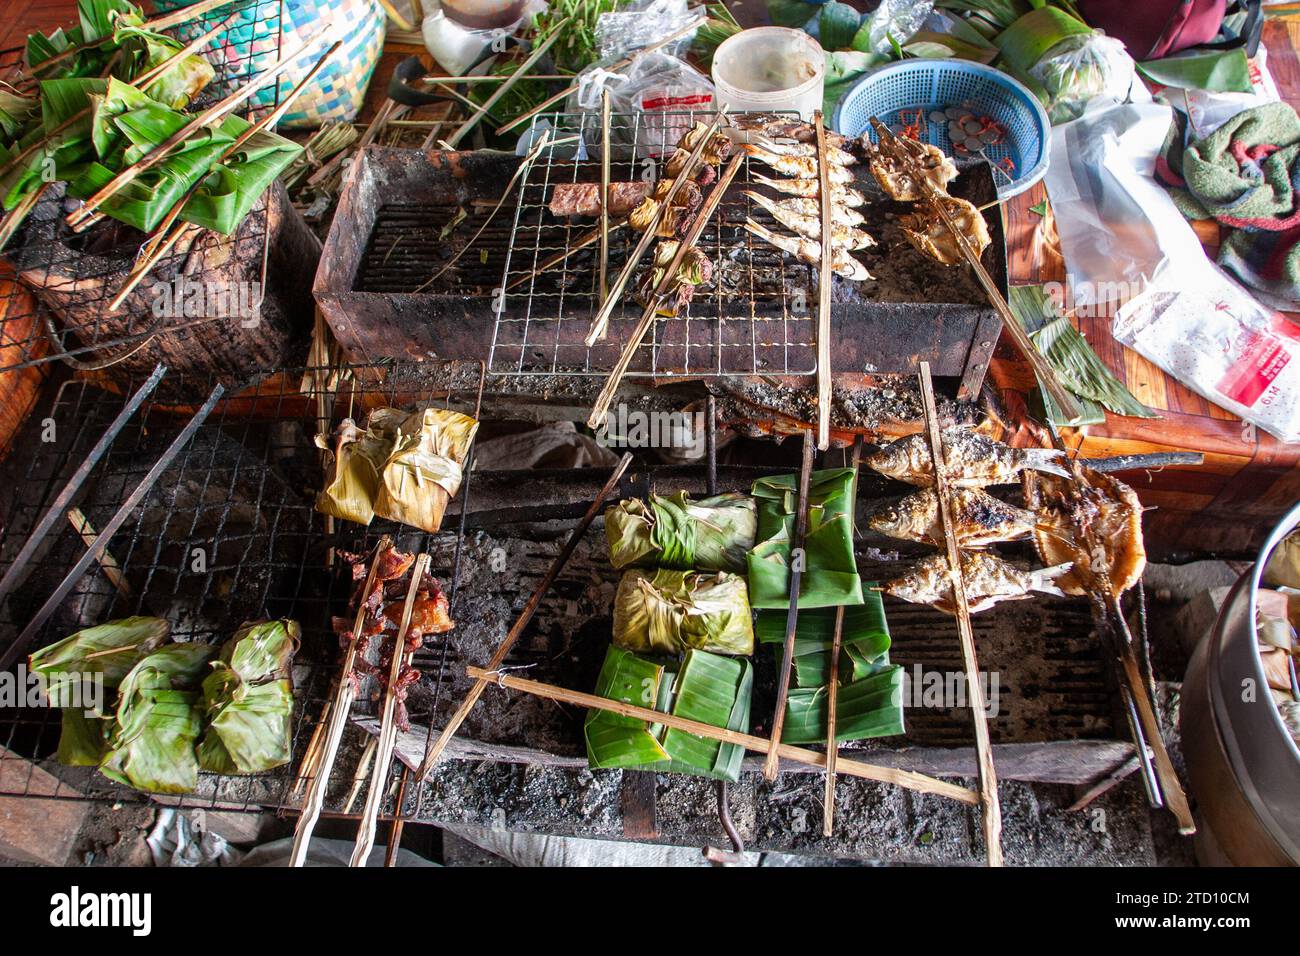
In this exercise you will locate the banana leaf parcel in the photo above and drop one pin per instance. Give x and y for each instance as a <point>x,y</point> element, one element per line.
<point>157,722</point>
<point>424,469</point>
<point>706,687</point>
<point>671,612</point>
<point>830,574</point>
<point>674,532</point>
<point>248,700</point>
<point>869,707</point>
<point>356,459</point>
<point>864,640</point>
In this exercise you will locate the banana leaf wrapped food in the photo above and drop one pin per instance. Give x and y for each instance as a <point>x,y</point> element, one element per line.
<point>671,612</point>
<point>104,653</point>
<point>674,532</point>
<point>248,700</point>
<point>704,687</point>
<point>158,720</point>
<point>405,466</point>
<point>830,573</point>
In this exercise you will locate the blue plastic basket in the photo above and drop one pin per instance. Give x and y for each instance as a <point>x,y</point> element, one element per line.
<point>936,84</point>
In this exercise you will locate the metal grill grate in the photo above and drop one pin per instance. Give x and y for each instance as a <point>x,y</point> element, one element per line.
<point>46,255</point>
<point>755,317</point>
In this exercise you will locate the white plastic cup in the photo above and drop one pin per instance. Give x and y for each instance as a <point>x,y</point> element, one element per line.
<point>770,68</point>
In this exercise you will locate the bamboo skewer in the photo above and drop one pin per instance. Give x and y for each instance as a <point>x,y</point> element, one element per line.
<point>824,289</point>
<point>771,765</point>
<point>388,723</point>
<point>363,771</point>
<point>604,195</point>
<point>77,219</point>
<point>648,317</point>
<point>833,691</point>
<point>613,68</point>
<point>908,779</point>
<point>1047,377</point>
<point>107,563</point>
<point>504,88</point>
<point>992,808</point>
<point>601,319</point>
<point>344,695</point>
<point>160,242</point>
<point>476,691</point>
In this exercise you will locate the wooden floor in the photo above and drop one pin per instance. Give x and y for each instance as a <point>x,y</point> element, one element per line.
<point>1227,505</point>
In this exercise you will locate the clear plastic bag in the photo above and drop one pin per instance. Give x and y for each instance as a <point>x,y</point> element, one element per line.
<point>896,19</point>
<point>636,25</point>
<point>664,89</point>
<point>1081,68</point>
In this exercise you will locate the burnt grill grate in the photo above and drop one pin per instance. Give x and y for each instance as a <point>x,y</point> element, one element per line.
<point>756,316</point>
<point>47,255</point>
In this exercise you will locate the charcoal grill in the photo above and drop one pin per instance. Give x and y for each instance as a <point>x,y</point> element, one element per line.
<point>386,289</point>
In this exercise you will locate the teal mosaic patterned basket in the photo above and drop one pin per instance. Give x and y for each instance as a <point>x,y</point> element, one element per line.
<point>253,43</point>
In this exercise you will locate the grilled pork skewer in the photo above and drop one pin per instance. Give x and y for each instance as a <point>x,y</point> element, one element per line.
<point>810,227</point>
<point>808,188</point>
<point>799,206</point>
<point>839,157</point>
<point>810,251</point>
<point>800,167</point>
<point>988,581</point>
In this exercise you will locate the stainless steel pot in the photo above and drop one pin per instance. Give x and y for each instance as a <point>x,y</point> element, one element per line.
<point>1244,766</point>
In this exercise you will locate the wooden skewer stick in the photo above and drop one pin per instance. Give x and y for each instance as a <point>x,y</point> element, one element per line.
<point>824,286</point>
<point>388,724</point>
<point>344,694</point>
<point>480,684</point>
<point>556,32</point>
<point>833,690</point>
<point>648,316</point>
<point>1047,376</point>
<point>601,319</point>
<point>613,68</point>
<point>772,764</point>
<point>157,25</point>
<point>107,563</point>
<point>604,195</point>
<point>160,242</point>
<point>992,816</point>
<point>77,218</point>
<point>363,770</point>
<point>907,779</point>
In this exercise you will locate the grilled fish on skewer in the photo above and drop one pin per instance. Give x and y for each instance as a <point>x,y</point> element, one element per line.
<point>988,580</point>
<point>1107,508</point>
<point>896,181</point>
<point>783,127</point>
<point>925,229</point>
<point>973,460</point>
<point>799,206</point>
<point>810,227</point>
<point>979,519</point>
<point>800,167</point>
<point>811,189</point>
<point>839,157</point>
<point>810,251</point>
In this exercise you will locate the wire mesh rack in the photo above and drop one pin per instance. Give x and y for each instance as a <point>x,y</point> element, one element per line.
<point>228,534</point>
<point>57,286</point>
<point>756,315</point>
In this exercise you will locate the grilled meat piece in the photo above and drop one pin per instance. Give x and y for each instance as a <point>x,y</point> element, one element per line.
<point>979,519</point>
<point>583,199</point>
<point>926,230</point>
<point>973,460</point>
<point>1107,514</point>
<point>810,251</point>
<point>988,580</point>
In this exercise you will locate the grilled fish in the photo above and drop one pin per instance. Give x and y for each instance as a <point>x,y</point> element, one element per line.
<point>979,519</point>
<point>973,460</point>
<point>834,155</point>
<point>988,580</point>
<point>800,206</point>
<point>800,167</point>
<point>1107,513</point>
<point>810,251</point>
<point>926,230</point>
<point>810,227</point>
<point>811,188</point>
<point>783,127</point>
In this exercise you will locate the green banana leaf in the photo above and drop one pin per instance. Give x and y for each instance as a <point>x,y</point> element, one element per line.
<point>231,190</point>
<point>864,641</point>
<point>107,652</point>
<point>837,25</point>
<point>17,112</point>
<point>1218,71</point>
<point>669,612</point>
<point>830,574</point>
<point>707,688</point>
<point>248,700</point>
<point>176,88</point>
<point>674,532</point>
<point>870,707</point>
<point>97,20</point>
<point>84,739</point>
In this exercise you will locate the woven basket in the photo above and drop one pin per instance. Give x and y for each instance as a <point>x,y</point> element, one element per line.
<point>266,28</point>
